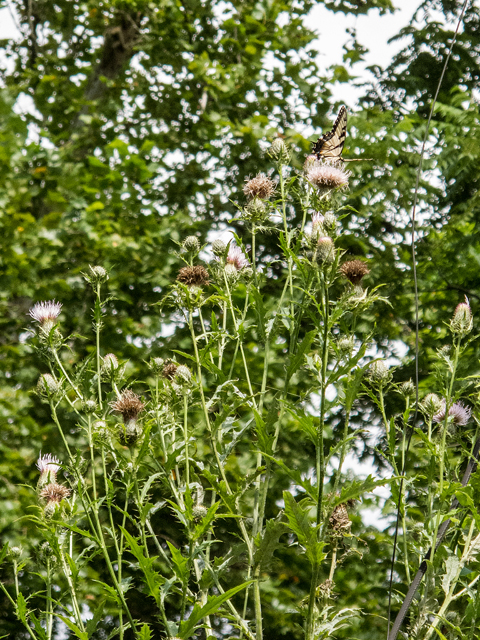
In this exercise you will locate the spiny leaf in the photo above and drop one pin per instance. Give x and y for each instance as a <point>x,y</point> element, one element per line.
<point>188,627</point>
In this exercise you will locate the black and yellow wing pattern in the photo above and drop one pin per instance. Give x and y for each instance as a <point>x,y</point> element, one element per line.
<point>330,146</point>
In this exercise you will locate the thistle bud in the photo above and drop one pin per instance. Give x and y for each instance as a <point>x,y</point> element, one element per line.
<point>199,512</point>
<point>379,373</point>
<point>14,553</point>
<point>325,251</point>
<point>47,386</point>
<point>156,365</point>
<point>129,433</point>
<point>109,367</point>
<point>46,555</point>
<point>462,322</point>
<point>191,244</point>
<point>256,210</point>
<point>219,248</point>
<point>169,370</point>
<point>407,389</point>
<point>89,406</point>
<point>97,275</point>
<point>330,222</point>
<point>279,151</point>
<point>345,344</point>
<point>183,375</point>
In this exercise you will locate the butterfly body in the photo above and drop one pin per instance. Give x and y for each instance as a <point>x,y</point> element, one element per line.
<point>329,147</point>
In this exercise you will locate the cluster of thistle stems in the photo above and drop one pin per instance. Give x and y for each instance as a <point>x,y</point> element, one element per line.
<point>311,268</point>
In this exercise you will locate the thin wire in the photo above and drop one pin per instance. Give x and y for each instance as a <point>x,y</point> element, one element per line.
<point>417,348</point>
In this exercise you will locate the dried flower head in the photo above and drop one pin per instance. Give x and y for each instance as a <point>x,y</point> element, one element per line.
<point>326,177</point>
<point>354,270</point>
<point>54,492</point>
<point>459,414</point>
<point>196,276</point>
<point>46,313</point>
<point>259,187</point>
<point>128,404</point>
<point>169,370</point>
<point>191,244</point>
<point>339,520</point>
<point>236,258</point>
<point>219,247</point>
<point>48,464</point>
<point>462,322</point>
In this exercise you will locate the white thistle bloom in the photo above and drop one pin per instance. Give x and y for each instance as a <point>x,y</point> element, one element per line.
<point>48,464</point>
<point>44,312</point>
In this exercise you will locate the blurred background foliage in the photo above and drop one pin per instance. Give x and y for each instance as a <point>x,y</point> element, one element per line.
<point>148,117</point>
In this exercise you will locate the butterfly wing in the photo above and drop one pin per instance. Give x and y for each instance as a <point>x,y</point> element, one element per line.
<point>330,145</point>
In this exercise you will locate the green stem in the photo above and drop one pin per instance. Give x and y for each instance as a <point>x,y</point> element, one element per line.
<point>185,436</point>
<point>71,588</point>
<point>48,608</point>
<point>14,604</point>
<point>98,321</point>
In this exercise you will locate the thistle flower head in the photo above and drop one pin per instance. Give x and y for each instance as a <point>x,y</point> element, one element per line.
<point>459,414</point>
<point>325,251</point>
<point>354,270</point>
<point>256,211</point>
<point>54,492</point>
<point>462,321</point>
<point>193,276</point>
<point>326,177</point>
<point>128,404</point>
<point>48,464</point>
<point>379,373</point>
<point>47,386</point>
<point>156,365</point>
<point>310,162</point>
<point>407,389</point>
<point>236,258</point>
<point>259,187</point>
<point>183,375</point>
<point>15,553</point>
<point>46,313</point>
<point>199,512</point>
<point>191,244</point>
<point>97,275</point>
<point>431,404</point>
<point>218,247</point>
<point>279,151</point>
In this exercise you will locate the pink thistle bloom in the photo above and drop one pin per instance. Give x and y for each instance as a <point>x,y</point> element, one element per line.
<point>458,412</point>
<point>237,258</point>
<point>44,312</point>
<point>326,176</point>
<point>48,464</point>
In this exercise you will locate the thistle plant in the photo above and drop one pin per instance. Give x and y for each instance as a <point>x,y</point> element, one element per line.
<point>182,490</point>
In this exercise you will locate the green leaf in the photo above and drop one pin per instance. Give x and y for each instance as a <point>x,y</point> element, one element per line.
<point>188,627</point>
<point>180,563</point>
<point>297,360</point>
<point>268,543</point>
<point>145,632</point>
<point>82,635</point>
<point>93,622</point>
<point>21,608</point>
<point>359,487</point>
<point>298,518</point>
<point>153,579</point>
